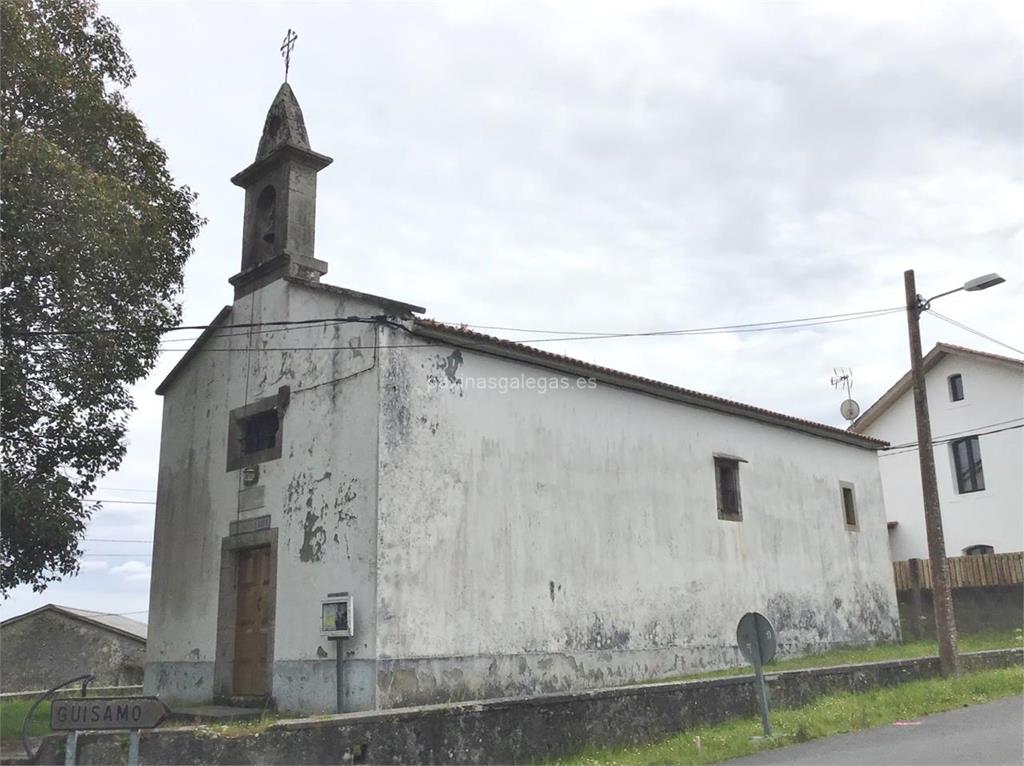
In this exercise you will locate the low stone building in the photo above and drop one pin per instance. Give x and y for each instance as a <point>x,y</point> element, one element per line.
<point>46,646</point>
<point>504,520</point>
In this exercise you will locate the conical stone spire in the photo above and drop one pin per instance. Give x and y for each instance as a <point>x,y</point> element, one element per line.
<point>284,125</point>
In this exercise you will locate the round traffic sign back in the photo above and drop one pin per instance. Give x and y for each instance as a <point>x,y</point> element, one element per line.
<point>756,637</point>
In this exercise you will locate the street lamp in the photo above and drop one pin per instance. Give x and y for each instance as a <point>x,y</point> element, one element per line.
<point>942,597</point>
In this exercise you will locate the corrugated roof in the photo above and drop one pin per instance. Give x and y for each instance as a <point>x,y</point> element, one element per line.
<point>932,358</point>
<point>502,347</point>
<point>116,622</point>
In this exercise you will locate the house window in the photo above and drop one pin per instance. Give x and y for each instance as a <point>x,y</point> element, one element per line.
<point>255,431</point>
<point>956,388</point>
<point>967,465</point>
<point>849,506</point>
<point>727,480</point>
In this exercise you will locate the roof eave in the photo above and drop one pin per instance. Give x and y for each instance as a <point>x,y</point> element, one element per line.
<point>526,354</point>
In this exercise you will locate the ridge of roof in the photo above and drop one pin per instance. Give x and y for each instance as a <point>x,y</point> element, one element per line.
<point>442,331</point>
<point>903,384</point>
<point>115,622</point>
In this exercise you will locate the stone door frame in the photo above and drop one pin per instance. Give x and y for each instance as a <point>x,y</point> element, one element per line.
<point>227,608</point>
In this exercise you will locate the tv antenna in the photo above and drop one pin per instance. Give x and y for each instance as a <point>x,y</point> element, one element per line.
<point>842,378</point>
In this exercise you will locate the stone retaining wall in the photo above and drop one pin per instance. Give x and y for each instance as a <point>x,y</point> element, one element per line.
<point>515,730</point>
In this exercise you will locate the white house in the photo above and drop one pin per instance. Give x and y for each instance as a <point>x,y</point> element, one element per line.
<point>504,520</point>
<point>976,407</point>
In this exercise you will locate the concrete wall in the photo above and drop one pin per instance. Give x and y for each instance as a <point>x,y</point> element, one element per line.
<point>533,542</point>
<point>44,649</point>
<point>530,730</point>
<point>320,496</point>
<point>978,610</point>
<point>993,394</point>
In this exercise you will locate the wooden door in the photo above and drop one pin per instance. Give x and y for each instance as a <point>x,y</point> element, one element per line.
<point>252,622</point>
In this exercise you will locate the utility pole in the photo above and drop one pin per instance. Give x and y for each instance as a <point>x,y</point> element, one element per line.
<point>942,596</point>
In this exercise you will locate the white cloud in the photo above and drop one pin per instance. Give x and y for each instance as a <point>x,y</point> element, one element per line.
<point>132,571</point>
<point>92,565</point>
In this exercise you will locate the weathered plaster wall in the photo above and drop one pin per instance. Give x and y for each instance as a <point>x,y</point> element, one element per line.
<point>320,495</point>
<point>993,394</point>
<point>568,539</point>
<point>47,648</point>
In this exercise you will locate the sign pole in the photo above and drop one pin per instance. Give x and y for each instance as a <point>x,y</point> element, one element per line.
<point>133,747</point>
<point>339,682</point>
<point>762,694</point>
<point>70,747</point>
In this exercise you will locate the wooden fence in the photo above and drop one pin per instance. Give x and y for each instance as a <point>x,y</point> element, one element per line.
<point>964,571</point>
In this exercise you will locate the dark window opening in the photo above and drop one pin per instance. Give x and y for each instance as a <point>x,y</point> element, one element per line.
<point>967,465</point>
<point>259,432</point>
<point>956,388</point>
<point>727,481</point>
<point>978,550</point>
<point>849,508</point>
<point>265,214</point>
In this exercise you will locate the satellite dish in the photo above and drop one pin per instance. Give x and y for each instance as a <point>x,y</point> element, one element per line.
<point>849,409</point>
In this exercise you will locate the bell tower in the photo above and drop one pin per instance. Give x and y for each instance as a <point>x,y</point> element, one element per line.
<point>280,201</point>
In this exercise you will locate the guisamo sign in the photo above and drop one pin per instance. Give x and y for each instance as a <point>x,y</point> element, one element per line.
<point>90,713</point>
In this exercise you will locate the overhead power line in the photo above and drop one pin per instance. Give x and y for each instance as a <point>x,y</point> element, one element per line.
<point>124,489</point>
<point>724,329</point>
<point>113,540</point>
<point>159,330</point>
<point>301,323</point>
<point>93,554</point>
<point>121,502</point>
<point>980,334</point>
<point>911,447</point>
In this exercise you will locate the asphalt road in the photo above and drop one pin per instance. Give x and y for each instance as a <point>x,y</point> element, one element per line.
<point>992,733</point>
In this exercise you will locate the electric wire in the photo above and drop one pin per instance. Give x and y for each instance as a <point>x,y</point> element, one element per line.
<point>301,323</point>
<point>980,334</point>
<point>963,432</point>
<point>118,502</point>
<point>951,439</point>
<point>766,327</point>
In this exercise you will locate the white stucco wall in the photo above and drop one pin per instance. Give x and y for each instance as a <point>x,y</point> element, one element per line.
<point>538,541</point>
<point>320,495</point>
<point>993,394</point>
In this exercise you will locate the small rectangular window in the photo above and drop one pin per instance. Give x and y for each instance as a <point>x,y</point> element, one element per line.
<point>849,506</point>
<point>727,481</point>
<point>259,432</point>
<point>256,431</point>
<point>967,465</point>
<point>956,388</point>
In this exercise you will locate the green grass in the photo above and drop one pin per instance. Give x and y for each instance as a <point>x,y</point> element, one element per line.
<point>13,713</point>
<point>968,643</point>
<point>829,715</point>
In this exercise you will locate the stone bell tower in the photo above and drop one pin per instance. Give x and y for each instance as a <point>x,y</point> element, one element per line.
<point>280,201</point>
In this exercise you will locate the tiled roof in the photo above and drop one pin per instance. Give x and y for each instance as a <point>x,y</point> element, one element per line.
<point>116,622</point>
<point>901,386</point>
<point>489,343</point>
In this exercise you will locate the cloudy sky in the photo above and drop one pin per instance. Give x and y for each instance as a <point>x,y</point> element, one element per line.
<point>587,167</point>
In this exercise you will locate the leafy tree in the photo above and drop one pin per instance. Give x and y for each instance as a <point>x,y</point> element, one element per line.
<point>95,236</point>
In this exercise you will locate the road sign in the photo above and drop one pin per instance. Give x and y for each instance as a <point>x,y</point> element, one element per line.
<point>756,638</point>
<point>94,713</point>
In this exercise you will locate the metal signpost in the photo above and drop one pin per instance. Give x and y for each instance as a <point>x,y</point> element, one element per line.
<point>103,714</point>
<point>757,640</point>
<point>337,623</point>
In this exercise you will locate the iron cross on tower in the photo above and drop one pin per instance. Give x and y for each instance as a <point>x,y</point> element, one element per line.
<point>286,50</point>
